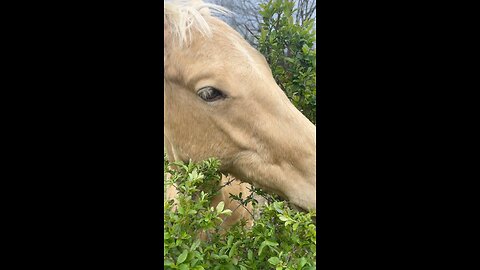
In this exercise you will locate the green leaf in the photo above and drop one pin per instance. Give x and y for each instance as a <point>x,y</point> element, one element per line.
<point>233,249</point>
<point>270,243</point>
<point>223,250</point>
<point>182,257</point>
<point>264,244</point>
<point>220,207</point>
<point>295,226</point>
<point>230,240</point>
<point>195,244</point>
<point>303,261</point>
<point>183,267</point>
<point>168,263</point>
<point>261,249</point>
<point>227,212</point>
<point>274,260</point>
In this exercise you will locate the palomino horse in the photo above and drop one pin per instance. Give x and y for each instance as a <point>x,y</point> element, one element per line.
<point>222,101</point>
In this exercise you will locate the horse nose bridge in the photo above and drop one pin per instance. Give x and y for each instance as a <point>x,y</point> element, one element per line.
<point>288,132</point>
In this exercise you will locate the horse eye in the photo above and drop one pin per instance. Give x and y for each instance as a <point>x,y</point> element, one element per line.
<point>210,94</point>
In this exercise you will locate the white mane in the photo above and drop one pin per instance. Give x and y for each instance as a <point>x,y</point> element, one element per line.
<point>183,16</point>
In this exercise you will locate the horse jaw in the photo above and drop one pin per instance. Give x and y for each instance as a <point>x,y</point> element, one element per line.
<point>294,184</point>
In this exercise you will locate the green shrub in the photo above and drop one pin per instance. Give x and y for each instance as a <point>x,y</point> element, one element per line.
<point>290,49</point>
<point>281,238</point>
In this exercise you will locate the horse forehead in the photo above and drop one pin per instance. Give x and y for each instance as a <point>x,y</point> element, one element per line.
<point>220,53</point>
<point>240,47</point>
<point>224,51</point>
<point>229,50</point>
<point>223,42</point>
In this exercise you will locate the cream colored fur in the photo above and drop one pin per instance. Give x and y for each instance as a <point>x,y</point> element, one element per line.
<point>258,135</point>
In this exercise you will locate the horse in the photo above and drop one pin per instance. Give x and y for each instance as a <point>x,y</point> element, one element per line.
<point>222,101</point>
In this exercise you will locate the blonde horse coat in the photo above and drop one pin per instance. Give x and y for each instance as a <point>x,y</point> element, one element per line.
<point>221,101</point>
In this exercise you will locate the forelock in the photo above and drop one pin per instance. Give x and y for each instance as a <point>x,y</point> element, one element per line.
<point>181,17</point>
